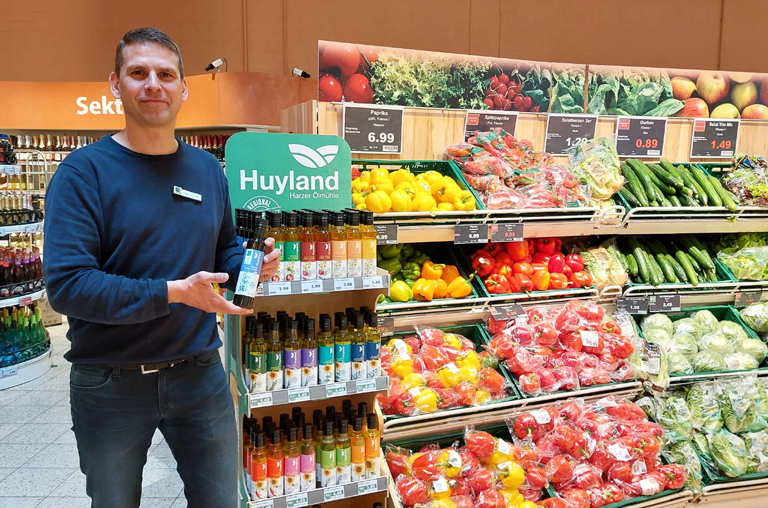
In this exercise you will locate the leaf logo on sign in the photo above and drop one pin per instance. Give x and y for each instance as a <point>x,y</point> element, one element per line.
<point>311,158</point>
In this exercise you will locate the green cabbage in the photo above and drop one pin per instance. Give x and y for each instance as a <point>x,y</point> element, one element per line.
<point>679,364</point>
<point>716,342</point>
<point>706,320</point>
<point>756,317</point>
<point>683,453</point>
<point>732,331</point>
<point>755,348</point>
<point>657,322</point>
<point>740,361</point>
<point>658,336</point>
<point>684,344</point>
<point>729,453</point>
<point>709,361</point>
<point>687,325</point>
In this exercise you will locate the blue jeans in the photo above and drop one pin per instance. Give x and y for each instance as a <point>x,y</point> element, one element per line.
<point>115,413</point>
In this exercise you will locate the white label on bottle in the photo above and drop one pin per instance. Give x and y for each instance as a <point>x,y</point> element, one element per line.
<point>639,467</point>
<point>372,467</point>
<point>292,484</point>
<point>308,481</point>
<point>440,485</point>
<point>590,339</point>
<point>343,284</point>
<point>355,267</point>
<point>541,416</point>
<point>619,451</point>
<point>343,475</point>
<point>339,268</point>
<point>276,487</point>
<point>311,286</point>
<point>292,378</point>
<point>649,487</point>
<point>324,269</point>
<point>258,382</point>
<point>328,477</point>
<point>369,268</point>
<point>504,448</point>
<point>250,270</point>
<point>308,270</point>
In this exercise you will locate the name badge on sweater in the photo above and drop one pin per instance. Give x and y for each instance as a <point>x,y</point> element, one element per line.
<point>187,194</point>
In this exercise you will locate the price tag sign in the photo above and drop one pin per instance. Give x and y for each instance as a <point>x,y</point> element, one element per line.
<point>343,284</point>
<point>372,282</point>
<point>373,129</point>
<point>640,136</point>
<point>366,385</point>
<point>507,232</point>
<point>367,487</point>
<point>9,371</point>
<point>470,233</point>
<point>26,300</point>
<point>261,400</point>
<point>266,503</point>
<point>633,304</point>
<point>333,493</point>
<point>386,234</point>
<point>298,395</point>
<point>311,286</point>
<point>336,390</point>
<point>714,138</point>
<point>483,121</point>
<point>664,303</point>
<point>507,312</point>
<point>279,288</point>
<point>386,325</point>
<point>566,131</point>
<point>744,298</point>
<point>296,501</point>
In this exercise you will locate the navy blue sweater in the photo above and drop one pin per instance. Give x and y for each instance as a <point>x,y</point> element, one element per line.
<point>115,232</point>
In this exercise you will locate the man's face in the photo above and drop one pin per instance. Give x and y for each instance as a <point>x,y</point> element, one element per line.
<point>149,84</point>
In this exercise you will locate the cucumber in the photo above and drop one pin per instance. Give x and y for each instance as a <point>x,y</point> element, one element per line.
<point>634,184</point>
<point>623,260</point>
<point>674,201</point>
<point>657,275</point>
<point>688,201</point>
<point>666,268</point>
<point>666,177</point>
<point>666,202</point>
<point>628,196</point>
<point>727,201</point>
<point>642,173</point>
<point>642,263</point>
<point>669,168</point>
<point>691,184</point>
<point>632,264</point>
<point>663,187</point>
<point>682,258</point>
<point>701,178</point>
<point>701,256</point>
<point>679,271</point>
<point>694,264</point>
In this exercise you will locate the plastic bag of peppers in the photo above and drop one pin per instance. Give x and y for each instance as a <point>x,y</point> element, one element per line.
<point>529,265</point>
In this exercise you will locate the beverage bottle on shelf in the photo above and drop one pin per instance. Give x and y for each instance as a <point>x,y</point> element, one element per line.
<point>357,444</point>
<point>369,244</point>
<point>292,355</point>
<point>354,244</point>
<point>274,358</point>
<point>309,354</point>
<point>362,411</point>
<point>257,355</point>
<point>372,447</point>
<point>328,456</point>
<point>292,244</point>
<point>326,356</point>
<point>338,245</point>
<point>319,424</point>
<point>357,348</point>
<point>49,143</point>
<point>17,272</point>
<point>323,246</point>
<point>250,269</point>
<point>307,459</point>
<point>259,469</point>
<point>350,313</point>
<point>343,454</point>
<point>292,463</point>
<point>308,250</point>
<point>342,349</point>
<point>275,464</point>
<point>373,346</point>
<point>277,233</point>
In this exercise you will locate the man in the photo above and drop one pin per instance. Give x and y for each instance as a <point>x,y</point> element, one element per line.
<point>130,261</point>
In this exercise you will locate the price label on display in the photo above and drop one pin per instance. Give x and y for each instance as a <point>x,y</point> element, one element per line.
<point>261,400</point>
<point>470,233</point>
<point>633,304</point>
<point>483,121</point>
<point>744,298</point>
<point>386,325</point>
<point>664,303</point>
<point>336,390</point>
<point>566,131</point>
<point>279,288</point>
<point>507,312</point>
<point>366,385</point>
<point>267,503</point>
<point>311,286</point>
<point>640,136</point>
<point>367,487</point>
<point>298,395</point>
<point>507,232</point>
<point>372,282</point>
<point>714,138</point>
<point>386,234</point>
<point>373,129</point>
<point>26,300</point>
<point>296,501</point>
<point>347,284</point>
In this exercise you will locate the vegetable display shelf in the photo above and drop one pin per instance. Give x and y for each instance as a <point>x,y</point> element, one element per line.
<point>24,372</point>
<point>349,491</point>
<point>745,493</point>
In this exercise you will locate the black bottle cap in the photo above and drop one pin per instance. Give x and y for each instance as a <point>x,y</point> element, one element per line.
<point>316,415</point>
<point>284,417</point>
<point>309,326</point>
<point>338,219</point>
<point>351,414</point>
<point>325,324</point>
<point>329,412</point>
<point>328,429</point>
<point>362,409</point>
<point>367,218</point>
<point>359,321</point>
<point>375,505</point>
<point>259,440</point>
<point>343,426</point>
<point>309,431</point>
<point>277,436</point>
<point>266,420</point>
<point>258,330</point>
<point>373,319</point>
<point>322,220</point>
<point>365,309</point>
<point>345,405</point>
<point>372,421</point>
<point>292,435</point>
<point>358,427</point>
<point>291,219</point>
<point>353,218</point>
<point>342,322</point>
<point>337,417</point>
<point>308,220</point>
<point>295,410</point>
<point>337,317</point>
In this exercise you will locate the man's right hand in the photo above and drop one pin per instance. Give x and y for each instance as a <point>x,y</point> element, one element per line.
<point>196,291</point>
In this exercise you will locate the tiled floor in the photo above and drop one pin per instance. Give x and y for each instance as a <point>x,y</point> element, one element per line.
<point>39,467</point>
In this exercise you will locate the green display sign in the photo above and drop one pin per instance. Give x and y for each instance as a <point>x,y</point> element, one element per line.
<point>285,172</point>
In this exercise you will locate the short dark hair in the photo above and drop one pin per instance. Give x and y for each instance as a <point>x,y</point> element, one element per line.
<point>140,35</point>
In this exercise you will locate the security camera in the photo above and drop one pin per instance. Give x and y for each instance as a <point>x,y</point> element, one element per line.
<point>300,73</point>
<point>216,64</point>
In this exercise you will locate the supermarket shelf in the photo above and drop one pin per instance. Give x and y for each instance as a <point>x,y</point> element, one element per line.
<point>747,494</point>
<point>325,495</point>
<point>303,287</point>
<point>25,371</point>
<point>676,500</point>
<point>317,392</point>
<point>23,299</point>
<point>33,227</point>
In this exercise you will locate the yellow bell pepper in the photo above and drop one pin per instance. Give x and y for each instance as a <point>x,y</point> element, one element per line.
<point>413,381</point>
<point>449,463</point>
<point>459,288</point>
<point>482,396</point>
<point>449,193</point>
<point>431,271</point>
<point>401,201</point>
<point>469,359</point>
<point>358,197</point>
<point>441,288</point>
<point>378,202</point>
<point>400,292</point>
<point>434,179</point>
<point>423,202</point>
<point>360,185</point>
<point>408,187</point>
<point>426,401</point>
<point>378,175</point>
<point>526,504</point>
<point>469,375</point>
<point>450,272</point>
<point>449,375</point>
<point>423,290</point>
<point>383,185</point>
<point>445,207</point>
<point>423,186</point>
<point>401,175</point>
<point>513,498</point>
<point>451,340</point>
<point>399,346</point>
<point>401,366</point>
<point>512,476</point>
<point>442,503</point>
<point>465,201</point>
<point>366,176</point>
<point>361,206</point>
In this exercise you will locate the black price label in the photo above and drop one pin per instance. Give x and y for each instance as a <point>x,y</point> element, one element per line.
<point>386,325</point>
<point>507,232</point>
<point>714,138</point>
<point>744,298</point>
<point>640,136</point>
<point>566,131</point>
<point>633,304</point>
<point>664,303</point>
<point>386,234</point>
<point>470,233</point>
<point>507,312</point>
<point>484,121</point>
<point>373,129</point>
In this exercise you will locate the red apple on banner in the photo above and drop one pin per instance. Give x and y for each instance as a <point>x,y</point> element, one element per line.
<point>764,91</point>
<point>682,88</point>
<point>713,86</point>
<point>694,108</point>
<point>755,112</point>
<point>744,94</point>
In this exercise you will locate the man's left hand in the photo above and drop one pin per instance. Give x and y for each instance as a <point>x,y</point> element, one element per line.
<point>271,259</point>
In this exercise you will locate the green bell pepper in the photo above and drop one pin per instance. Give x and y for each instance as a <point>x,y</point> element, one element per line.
<point>407,251</point>
<point>420,258</point>
<point>410,282</point>
<point>379,257</point>
<point>392,265</point>
<point>398,276</point>
<point>391,251</point>
<point>411,270</point>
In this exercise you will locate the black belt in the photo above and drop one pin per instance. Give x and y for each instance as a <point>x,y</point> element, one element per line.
<point>151,368</point>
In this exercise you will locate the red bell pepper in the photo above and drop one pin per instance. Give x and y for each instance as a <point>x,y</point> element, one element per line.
<point>518,250</point>
<point>494,248</point>
<point>527,259</point>
<point>480,253</point>
<point>522,267</point>
<point>575,262</point>
<point>502,258</point>
<point>581,279</point>
<point>537,267</point>
<point>503,269</point>
<point>540,257</point>
<point>540,280</point>
<point>556,263</point>
<point>558,244</point>
<point>546,245</point>
<point>483,265</point>
<point>497,284</point>
<point>567,271</point>
<point>526,284</point>
<point>558,281</point>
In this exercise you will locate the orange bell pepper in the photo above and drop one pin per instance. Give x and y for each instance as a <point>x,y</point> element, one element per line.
<point>450,272</point>
<point>432,271</point>
<point>459,288</point>
<point>540,280</point>
<point>558,281</point>
<point>424,290</point>
<point>441,288</point>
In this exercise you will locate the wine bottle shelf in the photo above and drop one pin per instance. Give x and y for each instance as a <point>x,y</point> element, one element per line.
<point>325,495</point>
<point>22,299</point>
<point>317,392</point>
<point>299,287</point>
